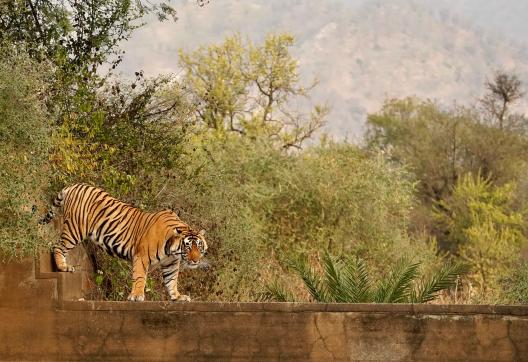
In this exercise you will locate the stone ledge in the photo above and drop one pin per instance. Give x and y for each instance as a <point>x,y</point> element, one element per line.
<point>71,287</point>
<point>214,307</point>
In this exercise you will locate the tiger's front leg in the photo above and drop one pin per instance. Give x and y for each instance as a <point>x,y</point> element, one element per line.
<point>59,254</point>
<point>139,278</point>
<point>60,251</point>
<point>170,273</point>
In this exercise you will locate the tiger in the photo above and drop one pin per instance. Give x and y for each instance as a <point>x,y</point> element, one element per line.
<point>122,230</point>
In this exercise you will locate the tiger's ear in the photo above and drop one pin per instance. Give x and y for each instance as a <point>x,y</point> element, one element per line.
<point>202,232</point>
<point>181,229</point>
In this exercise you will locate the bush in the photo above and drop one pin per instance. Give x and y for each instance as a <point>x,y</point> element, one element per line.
<point>484,230</point>
<point>335,196</point>
<point>24,143</point>
<point>221,189</point>
<point>516,285</point>
<point>125,137</point>
<point>262,207</point>
<point>347,280</point>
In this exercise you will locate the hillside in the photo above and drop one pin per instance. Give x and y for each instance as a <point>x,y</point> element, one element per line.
<point>507,18</point>
<point>362,51</point>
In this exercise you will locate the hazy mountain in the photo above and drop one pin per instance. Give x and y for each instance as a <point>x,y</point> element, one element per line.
<point>504,17</point>
<point>361,51</point>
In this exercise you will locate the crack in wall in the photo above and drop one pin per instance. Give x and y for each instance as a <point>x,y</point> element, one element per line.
<point>322,338</point>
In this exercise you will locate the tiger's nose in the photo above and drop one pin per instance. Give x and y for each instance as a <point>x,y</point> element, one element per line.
<point>194,254</point>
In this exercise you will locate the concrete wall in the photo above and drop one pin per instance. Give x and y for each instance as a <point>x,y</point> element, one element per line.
<point>41,319</point>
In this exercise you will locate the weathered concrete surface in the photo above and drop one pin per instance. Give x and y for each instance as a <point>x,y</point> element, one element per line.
<point>41,320</point>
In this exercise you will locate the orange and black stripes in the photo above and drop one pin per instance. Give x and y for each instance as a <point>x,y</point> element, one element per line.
<point>127,232</point>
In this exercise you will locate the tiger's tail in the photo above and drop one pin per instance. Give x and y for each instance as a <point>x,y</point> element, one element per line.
<point>57,203</point>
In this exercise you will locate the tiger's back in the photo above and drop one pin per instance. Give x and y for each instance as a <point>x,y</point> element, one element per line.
<point>91,213</point>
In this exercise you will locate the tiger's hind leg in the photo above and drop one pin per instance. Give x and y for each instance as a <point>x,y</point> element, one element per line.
<point>60,251</point>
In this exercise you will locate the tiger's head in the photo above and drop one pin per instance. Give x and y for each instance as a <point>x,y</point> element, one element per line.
<point>191,247</point>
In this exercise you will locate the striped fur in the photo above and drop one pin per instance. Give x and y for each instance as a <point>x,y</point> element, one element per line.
<point>127,232</point>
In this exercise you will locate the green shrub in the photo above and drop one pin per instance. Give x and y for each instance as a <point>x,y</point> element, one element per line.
<point>484,230</point>
<point>221,189</point>
<point>262,207</point>
<point>515,286</point>
<point>334,196</point>
<point>347,280</point>
<point>24,143</point>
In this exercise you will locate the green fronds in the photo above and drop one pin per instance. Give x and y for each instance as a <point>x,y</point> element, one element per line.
<point>313,282</point>
<point>396,288</point>
<point>446,277</point>
<point>356,282</point>
<point>276,292</point>
<point>348,281</point>
<point>332,277</point>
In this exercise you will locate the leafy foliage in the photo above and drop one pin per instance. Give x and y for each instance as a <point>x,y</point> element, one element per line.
<point>443,279</point>
<point>74,34</point>
<point>24,143</point>
<point>129,135</point>
<point>356,282</point>
<point>396,288</point>
<point>347,280</point>
<point>226,147</point>
<point>249,89</point>
<point>484,227</point>
<point>441,145</point>
<point>471,168</point>
<point>516,284</point>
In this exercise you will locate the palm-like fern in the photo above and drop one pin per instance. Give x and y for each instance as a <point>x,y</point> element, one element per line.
<point>446,277</point>
<point>348,281</point>
<point>313,282</point>
<point>276,292</point>
<point>356,282</point>
<point>397,287</point>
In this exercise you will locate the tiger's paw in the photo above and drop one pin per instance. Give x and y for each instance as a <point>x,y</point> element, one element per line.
<point>67,269</point>
<point>136,298</point>
<point>181,298</point>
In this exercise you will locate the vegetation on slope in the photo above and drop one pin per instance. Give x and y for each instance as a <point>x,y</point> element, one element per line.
<point>226,146</point>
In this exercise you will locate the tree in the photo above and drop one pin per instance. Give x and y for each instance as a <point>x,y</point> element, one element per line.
<point>427,138</point>
<point>483,228</point>
<point>348,281</point>
<point>503,91</point>
<point>441,144</point>
<point>106,129</point>
<point>77,37</point>
<point>249,89</point>
<point>74,34</point>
